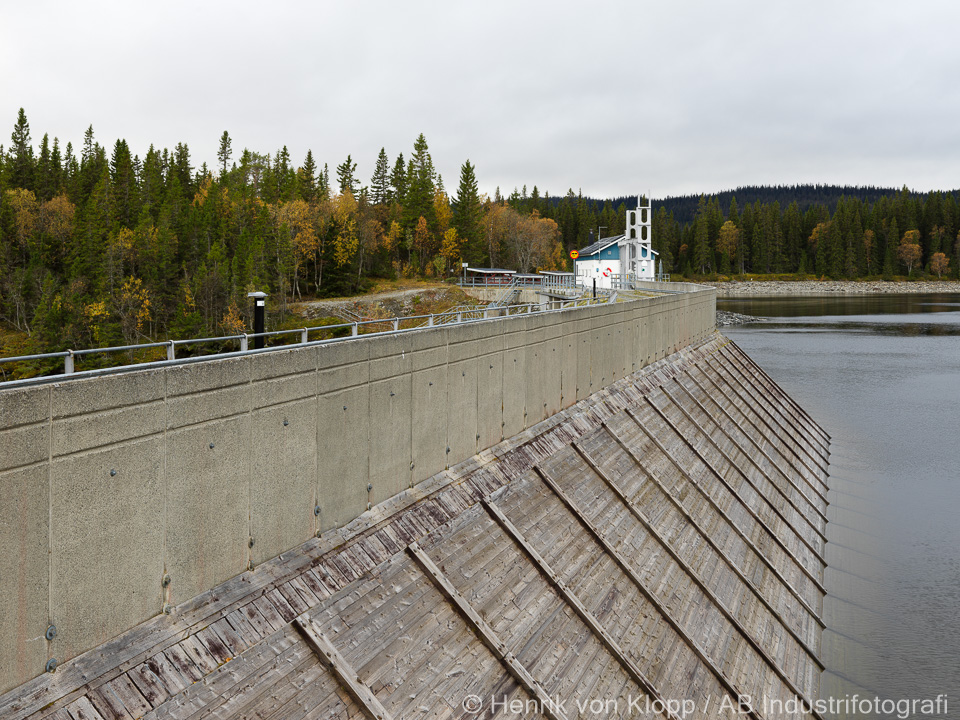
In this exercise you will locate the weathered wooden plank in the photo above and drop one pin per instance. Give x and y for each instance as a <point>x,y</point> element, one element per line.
<point>198,652</point>
<point>182,664</point>
<point>780,392</point>
<point>730,372</point>
<point>132,699</point>
<point>737,492</point>
<point>299,689</point>
<point>734,526</point>
<point>725,431</point>
<point>264,609</point>
<point>331,657</point>
<point>762,396</point>
<point>60,714</point>
<point>744,633</point>
<point>150,686</point>
<point>770,434</point>
<point>83,709</point>
<point>712,440</point>
<point>731,422</point>
<point>486,634</point>
<point>280,604</point>
<point>578,607</point>
<point>108,704</point>
<point>172,680</point>
<point>237,632</point>
<point>750,511</point>
<point>588,617</point>
<point>234,642</point>
<point>213,645</point>
<point>276,684</point>
<point>231,679</point>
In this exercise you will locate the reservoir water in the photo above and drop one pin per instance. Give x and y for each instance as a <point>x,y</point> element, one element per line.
<point>881,374</point>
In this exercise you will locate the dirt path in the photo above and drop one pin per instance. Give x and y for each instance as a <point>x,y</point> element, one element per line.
<point>420,299</point>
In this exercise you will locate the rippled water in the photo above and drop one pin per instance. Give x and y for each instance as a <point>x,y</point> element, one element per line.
<point>882,375</point>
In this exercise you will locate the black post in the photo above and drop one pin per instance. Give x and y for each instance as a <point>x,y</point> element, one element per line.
<point>594,288</point>
<point>259,313</point>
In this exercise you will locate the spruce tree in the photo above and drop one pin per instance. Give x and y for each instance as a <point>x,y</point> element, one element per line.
<point>701,248</point>
<point>56,167</point>
<point>398,180</point>
<point>380,182</point>
<point>468,216</point>
<point>421,185</point>
<point>285,176</point>
<point>345,176</point>
<point>183,170</point>
<point>890,249</point>
<point>20,164</point>
<point>224,153</point>
<point>323,184</point>
<point>308,178</point>
<point>44,182</point>
<point>124,183</point>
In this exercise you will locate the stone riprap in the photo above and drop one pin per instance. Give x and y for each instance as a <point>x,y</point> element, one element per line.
<point>833,287</point>
<point>725,318</point>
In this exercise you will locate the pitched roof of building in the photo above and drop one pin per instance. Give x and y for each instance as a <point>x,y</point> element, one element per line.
<point>599,245</point>
<point>662,539</point>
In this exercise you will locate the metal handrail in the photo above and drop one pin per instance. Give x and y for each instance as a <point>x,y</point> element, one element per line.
<point>511,291</point>
<point>459,315</point>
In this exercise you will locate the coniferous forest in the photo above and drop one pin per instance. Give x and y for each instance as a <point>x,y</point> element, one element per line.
<point>101,246</point>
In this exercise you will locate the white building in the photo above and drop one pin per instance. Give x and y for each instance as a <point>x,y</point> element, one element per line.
<point>621,257</point>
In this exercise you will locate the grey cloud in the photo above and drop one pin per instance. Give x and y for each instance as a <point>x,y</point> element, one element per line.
<point>613,98</point>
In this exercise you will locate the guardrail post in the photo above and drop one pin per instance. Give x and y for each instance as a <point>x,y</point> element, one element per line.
<point>484,313</point>
<point>244,343</point>
<point>171,350</point>
<point>353,330</point>
<point>305,332</point>
<point>430,321</point>
<point>459,316</point>
<point>68,363</point>
<point>396,324</point>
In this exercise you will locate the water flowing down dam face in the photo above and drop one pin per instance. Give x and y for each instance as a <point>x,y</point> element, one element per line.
<point>882,375</point>
<point>657,548</point>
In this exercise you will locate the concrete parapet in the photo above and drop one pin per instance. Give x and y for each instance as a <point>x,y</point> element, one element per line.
<point>124,493</point>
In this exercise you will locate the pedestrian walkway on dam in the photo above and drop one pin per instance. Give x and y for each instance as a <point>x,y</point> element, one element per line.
<point>655,546</point>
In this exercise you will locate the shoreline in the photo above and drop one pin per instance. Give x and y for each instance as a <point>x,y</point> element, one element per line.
<point>832,287</point>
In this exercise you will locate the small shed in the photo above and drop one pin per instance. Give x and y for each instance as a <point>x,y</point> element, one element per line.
<point>485,277</point>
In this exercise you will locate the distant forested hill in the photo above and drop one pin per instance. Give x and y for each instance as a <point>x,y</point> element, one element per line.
<point>684,207</point>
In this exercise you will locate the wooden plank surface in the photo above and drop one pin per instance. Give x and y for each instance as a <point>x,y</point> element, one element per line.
<point>744,633</point>
<point>486,634</point>
<point>819,500</point>
<point>347,676</point>
<point>736,528</point>
<point>779,541</point>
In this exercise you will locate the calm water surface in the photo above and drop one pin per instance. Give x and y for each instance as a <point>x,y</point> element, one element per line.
<point>881,374</point>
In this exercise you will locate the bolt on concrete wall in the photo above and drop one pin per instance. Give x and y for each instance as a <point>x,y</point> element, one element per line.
<point>201,471</point>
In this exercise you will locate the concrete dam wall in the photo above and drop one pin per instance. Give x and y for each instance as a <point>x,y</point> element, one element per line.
<point>654,550</point>
<point>126,494</point>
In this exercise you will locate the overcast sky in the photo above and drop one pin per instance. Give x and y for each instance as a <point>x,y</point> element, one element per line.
<point>613,98</point>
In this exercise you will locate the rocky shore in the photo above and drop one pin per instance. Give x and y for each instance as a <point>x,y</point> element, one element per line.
<point>726,318</point>
<point>833,287</point>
